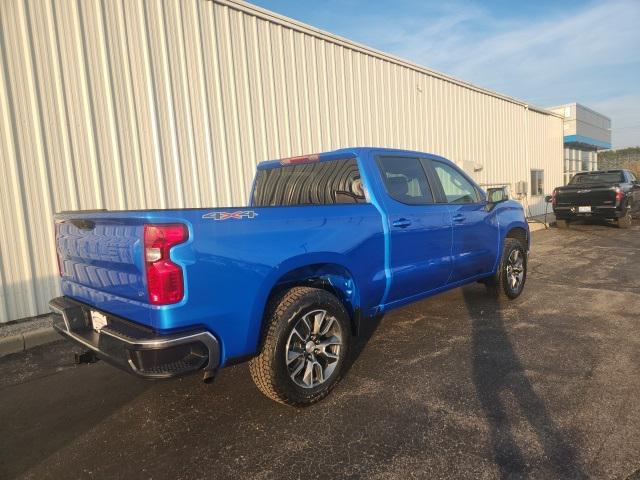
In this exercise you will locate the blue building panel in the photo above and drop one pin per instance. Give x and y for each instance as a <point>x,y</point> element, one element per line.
<point>581,141</point>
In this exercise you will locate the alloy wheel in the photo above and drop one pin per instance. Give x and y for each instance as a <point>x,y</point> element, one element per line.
<point>515,270</point>
<point>313,348</point>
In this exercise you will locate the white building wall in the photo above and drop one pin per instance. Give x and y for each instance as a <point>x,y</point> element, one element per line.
<point>147,104</point>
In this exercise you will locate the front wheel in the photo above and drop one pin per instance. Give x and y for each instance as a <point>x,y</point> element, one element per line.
<point>304,349</point>
<point>511,276</point>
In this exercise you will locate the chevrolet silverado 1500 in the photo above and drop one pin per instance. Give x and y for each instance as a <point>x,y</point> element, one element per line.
<point>604,194</point>
<point>326,242</point>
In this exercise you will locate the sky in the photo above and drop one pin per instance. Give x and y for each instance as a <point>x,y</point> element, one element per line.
<point>543,52</point>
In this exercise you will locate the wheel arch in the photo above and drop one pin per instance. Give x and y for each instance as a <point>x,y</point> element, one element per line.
<point>519,233</point>
<point>324,272</point>
<point>332,277</point>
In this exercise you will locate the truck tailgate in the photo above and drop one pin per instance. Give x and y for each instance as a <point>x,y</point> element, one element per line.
<point>586,196</point>
<point>103,254</point>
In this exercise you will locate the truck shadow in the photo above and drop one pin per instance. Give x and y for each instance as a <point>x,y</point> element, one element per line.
<point>590,222</point>
<point>499,377</point>
<point>367,329</point>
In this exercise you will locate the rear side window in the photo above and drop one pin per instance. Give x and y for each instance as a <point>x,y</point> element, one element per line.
<point>456,187</point>
<point>319,183</point>
<point>405,180</point>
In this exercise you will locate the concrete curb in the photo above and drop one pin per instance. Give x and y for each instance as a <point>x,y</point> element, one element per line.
<point>26,340</point>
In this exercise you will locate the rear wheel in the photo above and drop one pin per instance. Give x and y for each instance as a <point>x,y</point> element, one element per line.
<point>624,222</point>
<point>511,276</point>
<point>304,349</point>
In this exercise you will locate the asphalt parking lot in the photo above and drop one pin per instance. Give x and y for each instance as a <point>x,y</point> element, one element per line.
<point>547,386</point>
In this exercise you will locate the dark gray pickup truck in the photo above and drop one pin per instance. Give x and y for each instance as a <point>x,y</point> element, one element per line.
<point>605,194</point>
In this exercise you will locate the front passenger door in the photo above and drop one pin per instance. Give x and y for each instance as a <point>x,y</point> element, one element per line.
<point>476,234</point>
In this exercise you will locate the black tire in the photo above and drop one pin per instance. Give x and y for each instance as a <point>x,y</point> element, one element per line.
<point>625,222</point>
<point>269,369</point>
<point>500,285</point>
<point>562,223</point>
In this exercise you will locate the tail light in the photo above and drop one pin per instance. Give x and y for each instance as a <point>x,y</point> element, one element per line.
<point>554,198</point>
<point>165,282</point>
<point>619,195</point>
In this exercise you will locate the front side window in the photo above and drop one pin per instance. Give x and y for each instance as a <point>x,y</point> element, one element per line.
<point>456,187</point>
<point>537,182</point>
<point>405,180</point>
<point>319,183</point>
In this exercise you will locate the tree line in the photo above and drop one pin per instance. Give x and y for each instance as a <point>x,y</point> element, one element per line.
<point>628,158</point>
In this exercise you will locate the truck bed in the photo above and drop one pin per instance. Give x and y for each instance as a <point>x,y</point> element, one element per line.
<point>227,261</point>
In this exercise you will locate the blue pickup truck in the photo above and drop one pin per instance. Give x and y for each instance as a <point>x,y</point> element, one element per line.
<point>328,241</point>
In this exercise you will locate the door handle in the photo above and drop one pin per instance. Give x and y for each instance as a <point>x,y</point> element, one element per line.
<point>459,218</point>
<point>401,223</point>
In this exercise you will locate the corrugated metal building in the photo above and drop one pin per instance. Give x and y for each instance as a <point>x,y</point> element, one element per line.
<point>139,104</point>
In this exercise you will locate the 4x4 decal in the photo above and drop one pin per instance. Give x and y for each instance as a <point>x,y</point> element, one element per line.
<point>226,215</point>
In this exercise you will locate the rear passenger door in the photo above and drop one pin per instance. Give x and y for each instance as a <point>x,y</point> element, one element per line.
<point>476,234</point>
<point>419,228</point>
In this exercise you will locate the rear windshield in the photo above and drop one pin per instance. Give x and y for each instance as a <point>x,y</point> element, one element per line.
<point>320,183</point>
<point>591,178</point>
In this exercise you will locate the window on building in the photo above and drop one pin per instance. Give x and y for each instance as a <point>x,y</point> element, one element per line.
<point>405,180</point>
<point>537,182</point>
<point>456,187</point>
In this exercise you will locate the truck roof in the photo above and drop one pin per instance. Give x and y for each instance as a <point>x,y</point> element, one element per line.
<point>341,154</point>
<point>593,172</point>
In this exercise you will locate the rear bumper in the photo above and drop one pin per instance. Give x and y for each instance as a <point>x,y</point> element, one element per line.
<point>571,213</point>
<point>135,348</point>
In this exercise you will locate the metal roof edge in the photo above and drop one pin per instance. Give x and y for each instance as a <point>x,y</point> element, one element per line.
<point>324,35</point>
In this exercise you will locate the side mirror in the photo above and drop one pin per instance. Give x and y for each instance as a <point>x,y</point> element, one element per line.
<point>497,195</point>
<point>548,199</point>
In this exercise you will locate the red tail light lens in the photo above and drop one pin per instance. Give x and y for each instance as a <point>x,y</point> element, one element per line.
<point>165,282</point>
<point>553,198</point>
<point>619,195</point>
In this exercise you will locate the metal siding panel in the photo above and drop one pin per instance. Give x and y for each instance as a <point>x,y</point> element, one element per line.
<point>213,86</point>
<point>18,295</point>
<point>165,101</point>
<point>195,88</point>
<point>124,114</point>
<point>144,98</point>
<point>187,163</point>
<point>31,170</point>
<point>231,123</point>
<point>101,103</point>
<point>269,89</point>
<point>245,125</point>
